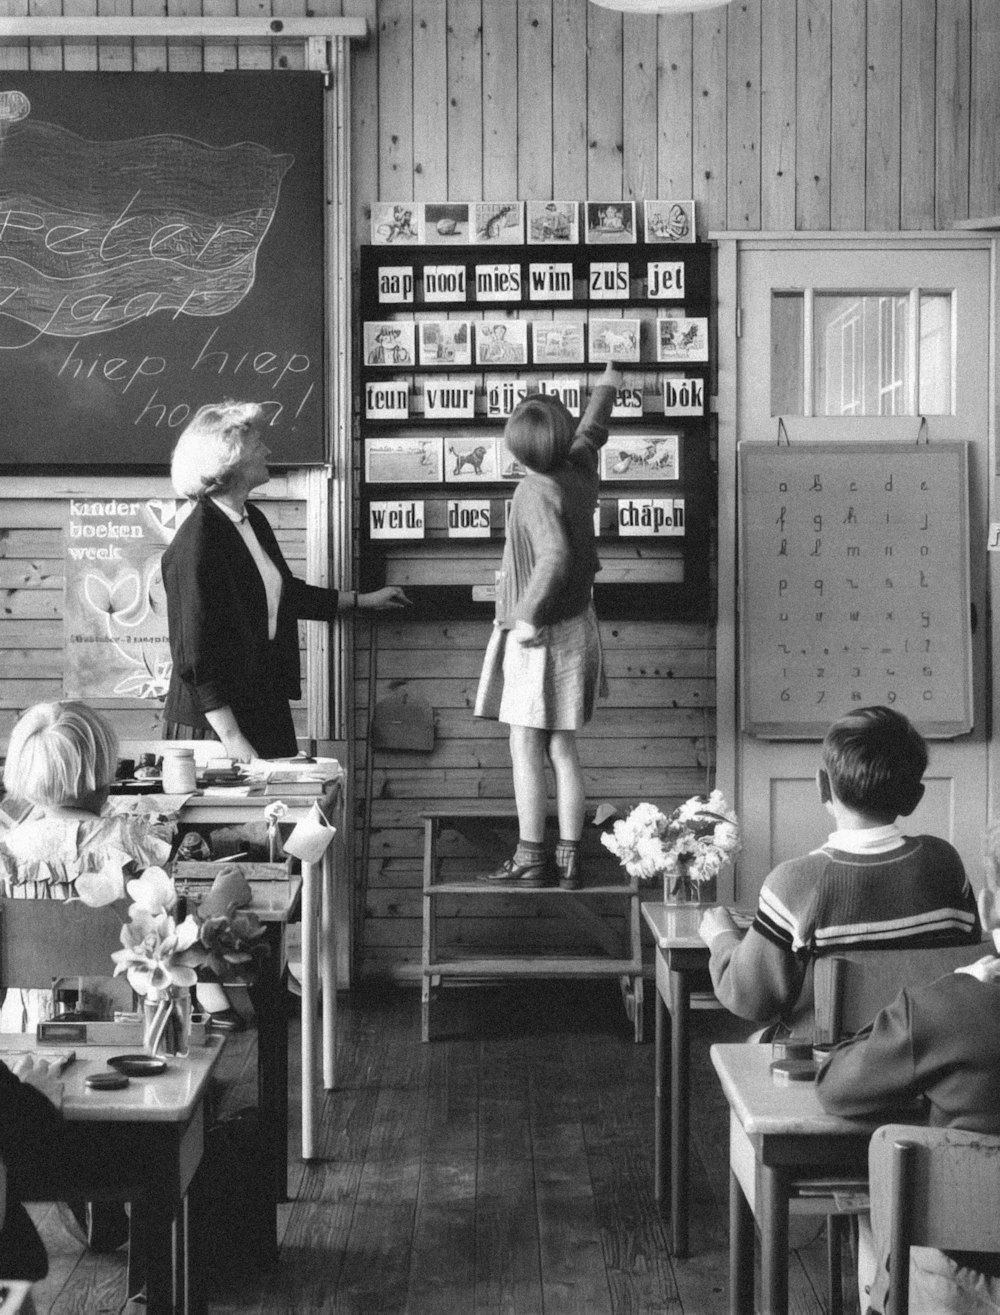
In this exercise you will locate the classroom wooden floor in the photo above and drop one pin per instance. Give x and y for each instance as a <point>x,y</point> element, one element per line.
<point>503,1169</point>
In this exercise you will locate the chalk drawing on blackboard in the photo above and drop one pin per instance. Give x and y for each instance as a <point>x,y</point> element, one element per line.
<point>177,234</point>
<point>14,105</point>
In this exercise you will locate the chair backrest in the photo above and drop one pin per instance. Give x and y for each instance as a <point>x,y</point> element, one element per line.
<point>931,1187</point>
<point>851,988</point>
<point>42,940</point>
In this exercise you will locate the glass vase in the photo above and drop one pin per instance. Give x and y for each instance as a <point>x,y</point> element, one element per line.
<point>166,1022</point>
<point>680,890</point>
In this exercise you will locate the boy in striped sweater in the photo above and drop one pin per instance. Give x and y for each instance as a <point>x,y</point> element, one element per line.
<point>868,887</point>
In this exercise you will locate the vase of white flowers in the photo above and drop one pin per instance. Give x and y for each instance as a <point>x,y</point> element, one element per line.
<point>687,849</point>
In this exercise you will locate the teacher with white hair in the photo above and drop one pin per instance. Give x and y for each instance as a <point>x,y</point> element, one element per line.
<point>232,601</point>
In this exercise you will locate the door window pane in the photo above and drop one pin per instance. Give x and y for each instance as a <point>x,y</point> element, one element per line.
<point>861,354</point>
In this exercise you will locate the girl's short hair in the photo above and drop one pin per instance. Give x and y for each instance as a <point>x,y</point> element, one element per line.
<point>539,432</point>
<point>875,759</point>
<point>210,449</point>
<point>59,753</point>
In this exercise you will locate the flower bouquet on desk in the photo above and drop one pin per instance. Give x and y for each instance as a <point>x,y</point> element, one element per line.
<point>163,954</point>
<point>688,848</point>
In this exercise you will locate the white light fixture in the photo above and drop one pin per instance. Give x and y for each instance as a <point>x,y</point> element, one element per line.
<point>665,7</point>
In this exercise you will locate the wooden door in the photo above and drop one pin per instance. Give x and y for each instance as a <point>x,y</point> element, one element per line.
<point>855,340</point>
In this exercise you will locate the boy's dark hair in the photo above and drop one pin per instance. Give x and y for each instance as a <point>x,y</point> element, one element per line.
<point>875,759</point>
<point>539,432</point>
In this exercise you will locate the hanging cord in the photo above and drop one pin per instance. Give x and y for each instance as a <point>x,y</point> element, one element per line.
<point>924,432</point>
<point>783,434</point>
<point>369,768</point>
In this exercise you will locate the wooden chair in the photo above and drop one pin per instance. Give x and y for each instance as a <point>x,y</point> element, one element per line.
<point>851,988</point>
<point>42,940</point>
<point>931,1187</point>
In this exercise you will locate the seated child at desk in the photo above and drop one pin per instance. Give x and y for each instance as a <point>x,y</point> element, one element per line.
<point>941,1042</point>
<point>868,887</point>
<point>62,759</point>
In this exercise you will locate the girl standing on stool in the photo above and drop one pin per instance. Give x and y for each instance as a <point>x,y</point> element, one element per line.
<point>544,653</point>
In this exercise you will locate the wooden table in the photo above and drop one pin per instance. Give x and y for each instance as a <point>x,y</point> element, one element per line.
<point>681,960</point>
<point>319,932</point>
<point>779,1138</point>
<point>154,1131</point>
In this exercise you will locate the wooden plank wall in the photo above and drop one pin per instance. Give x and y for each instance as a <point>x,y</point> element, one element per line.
<point>774,114</point>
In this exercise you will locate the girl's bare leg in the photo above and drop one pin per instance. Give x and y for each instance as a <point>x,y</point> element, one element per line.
<point>571,797</point>
<point>527,755</point>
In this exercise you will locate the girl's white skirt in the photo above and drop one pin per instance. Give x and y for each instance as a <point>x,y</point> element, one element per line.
<point>551,686</point>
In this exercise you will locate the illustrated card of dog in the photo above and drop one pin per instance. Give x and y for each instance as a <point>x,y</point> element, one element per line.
<point>630,457</point>
<point>470,460</point>
<point>614,340</point>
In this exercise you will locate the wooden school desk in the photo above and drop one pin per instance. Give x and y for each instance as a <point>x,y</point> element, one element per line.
<point>681,961</point>
<point>319,931</point>
<point>779,1137</point>
<point>154,1130</point>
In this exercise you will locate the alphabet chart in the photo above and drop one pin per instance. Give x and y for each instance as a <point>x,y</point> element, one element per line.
<point>854,585</point>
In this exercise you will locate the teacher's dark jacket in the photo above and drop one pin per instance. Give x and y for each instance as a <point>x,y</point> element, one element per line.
<point>217,617</point>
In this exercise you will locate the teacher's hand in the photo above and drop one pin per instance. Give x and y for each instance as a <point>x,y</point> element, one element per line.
<point>383,600</point>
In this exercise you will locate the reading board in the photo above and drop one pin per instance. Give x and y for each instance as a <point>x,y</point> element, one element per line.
<point>161,247</point>
<point>854,585</point>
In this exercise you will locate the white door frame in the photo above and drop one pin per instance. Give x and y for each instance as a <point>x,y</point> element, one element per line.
<point>730,245</point>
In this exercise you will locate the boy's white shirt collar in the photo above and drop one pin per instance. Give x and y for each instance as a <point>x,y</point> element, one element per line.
<point>870,840</point>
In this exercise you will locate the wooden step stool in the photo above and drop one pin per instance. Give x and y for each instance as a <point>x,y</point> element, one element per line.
<point>620,955</point>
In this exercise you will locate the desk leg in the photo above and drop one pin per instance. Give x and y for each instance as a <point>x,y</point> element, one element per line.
<point>661,1125</point>
<point>328,967</point>
<point>310,985</point>
<point>740,1250</point>
<point>272,1057</point>
<point>680,1081</point>
<point>157,1265</point>
<point>772,1198</point>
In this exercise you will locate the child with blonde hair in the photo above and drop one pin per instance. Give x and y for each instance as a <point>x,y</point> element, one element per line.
<point>62,759</point>
<point>543,664</point>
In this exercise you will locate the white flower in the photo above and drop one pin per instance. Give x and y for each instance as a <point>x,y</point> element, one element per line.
<point>697,839</point>
<point>153,892</point>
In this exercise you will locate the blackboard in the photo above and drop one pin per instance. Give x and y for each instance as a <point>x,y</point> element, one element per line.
<point>161,247</point>
<point>854,585</point>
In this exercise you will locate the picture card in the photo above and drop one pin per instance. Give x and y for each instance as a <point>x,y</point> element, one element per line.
<point>683,395</point>
<point>445,342</point>
<point>552,221</point>
<point>470,461</point>
<point>669,221</point>
<point>446,221</point>
<point>609,221</point>
<point>557,342</point>
<point>501,342</point>
<point>399,223</point>
<point>629,457</point>
<point>389,342</point>
<point>502,395</point>
<point>508,467</point>
<point>403,460</point>
<point>497,222</point>
<point>449,399</point>
<point>388,400</point>
<point>681,339</point>
<point>613,340</point>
